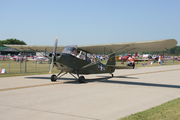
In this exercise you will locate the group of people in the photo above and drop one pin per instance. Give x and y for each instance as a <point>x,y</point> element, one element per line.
<point>131,61</point>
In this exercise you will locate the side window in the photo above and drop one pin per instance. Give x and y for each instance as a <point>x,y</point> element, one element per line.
<point>91,58</point>
<point>81,55</point>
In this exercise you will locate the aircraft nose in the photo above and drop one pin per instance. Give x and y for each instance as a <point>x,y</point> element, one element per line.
<point>57,55</point>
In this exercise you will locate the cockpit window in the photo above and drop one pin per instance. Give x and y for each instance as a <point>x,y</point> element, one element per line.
<point>79,53</point>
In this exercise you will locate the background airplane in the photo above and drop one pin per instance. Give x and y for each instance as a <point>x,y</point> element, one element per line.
<point>3,58</point>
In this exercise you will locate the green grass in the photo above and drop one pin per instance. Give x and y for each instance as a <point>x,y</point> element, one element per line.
<point>166,111</point>
<point>32,68</point>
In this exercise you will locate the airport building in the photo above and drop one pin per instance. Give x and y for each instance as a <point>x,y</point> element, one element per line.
<point>12,51</point>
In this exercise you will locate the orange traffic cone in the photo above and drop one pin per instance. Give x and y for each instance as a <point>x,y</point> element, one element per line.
<point>0,70</point>
<point>179,61</point>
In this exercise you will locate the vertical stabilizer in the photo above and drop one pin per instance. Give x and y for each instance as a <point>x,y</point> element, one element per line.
<point>111,60</point>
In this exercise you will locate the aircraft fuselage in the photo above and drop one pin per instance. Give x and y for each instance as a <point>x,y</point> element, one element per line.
<point>70,63</point>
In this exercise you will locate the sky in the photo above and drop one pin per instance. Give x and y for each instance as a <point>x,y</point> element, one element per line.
<point>88,22</point>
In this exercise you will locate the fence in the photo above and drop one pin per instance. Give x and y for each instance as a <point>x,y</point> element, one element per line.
<point>13,66</point>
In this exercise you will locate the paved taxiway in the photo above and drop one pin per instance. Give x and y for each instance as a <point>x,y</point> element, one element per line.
<point>101,98</point>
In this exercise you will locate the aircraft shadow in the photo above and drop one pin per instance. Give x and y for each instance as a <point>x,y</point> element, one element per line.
<point>49,78</point>
<point>106,80</point>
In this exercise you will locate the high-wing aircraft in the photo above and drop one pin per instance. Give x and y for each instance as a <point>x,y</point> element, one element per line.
<point>81,60</point>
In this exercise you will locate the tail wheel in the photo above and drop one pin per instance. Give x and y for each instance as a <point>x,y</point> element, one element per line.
<point>81,79</point>
<point>112,75</point>
<point>53,78</point>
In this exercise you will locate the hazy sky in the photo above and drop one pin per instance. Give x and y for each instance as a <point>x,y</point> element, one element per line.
<point>84,22</point>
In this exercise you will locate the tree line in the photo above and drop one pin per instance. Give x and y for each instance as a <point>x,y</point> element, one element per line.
<point>12,41</point>
<point>173,51</point>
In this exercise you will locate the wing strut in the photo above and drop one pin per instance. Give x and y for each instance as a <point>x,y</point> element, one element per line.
<point>90,64</point>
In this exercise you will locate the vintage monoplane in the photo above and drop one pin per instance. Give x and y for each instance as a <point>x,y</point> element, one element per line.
<point>81,60</point>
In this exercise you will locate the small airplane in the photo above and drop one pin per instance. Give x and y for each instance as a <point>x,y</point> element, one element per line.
<point>81,60</point>
<point>38,58</point>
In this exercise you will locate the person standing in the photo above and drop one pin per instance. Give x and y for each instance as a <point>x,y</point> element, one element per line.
<point>131,61</point>
<point>160,59</point>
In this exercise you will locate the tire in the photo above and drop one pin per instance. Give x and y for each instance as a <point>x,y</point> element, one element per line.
<point>53,78</point>
<point>81,79</point>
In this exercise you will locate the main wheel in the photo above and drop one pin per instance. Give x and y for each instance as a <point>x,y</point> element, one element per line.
<point>81,79</point>
<point>53,78</point>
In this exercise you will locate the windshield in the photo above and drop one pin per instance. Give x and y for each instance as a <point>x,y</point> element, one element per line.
<point>70,50</point>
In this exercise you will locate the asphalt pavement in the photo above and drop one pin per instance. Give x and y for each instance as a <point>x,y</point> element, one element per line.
<point>100,98</point>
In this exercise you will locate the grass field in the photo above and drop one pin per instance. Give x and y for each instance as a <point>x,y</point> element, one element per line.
<point>166,111</point>
<point>14,68</point>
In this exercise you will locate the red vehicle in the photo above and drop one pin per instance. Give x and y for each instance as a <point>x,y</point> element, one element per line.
<point>125,57</point>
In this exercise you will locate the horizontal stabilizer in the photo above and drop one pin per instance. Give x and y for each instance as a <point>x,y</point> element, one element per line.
<point>120,67</point>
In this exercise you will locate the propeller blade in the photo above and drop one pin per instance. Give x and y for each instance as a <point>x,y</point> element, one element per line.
<point>53,54</point>
<point>55,46</point>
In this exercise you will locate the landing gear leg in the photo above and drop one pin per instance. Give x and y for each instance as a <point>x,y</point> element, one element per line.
<point>112,75</point>
<point>55,77</point>
<point>58,75</point>
<point>81,78</point>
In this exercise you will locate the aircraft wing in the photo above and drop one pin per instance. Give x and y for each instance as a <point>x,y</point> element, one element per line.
<point>143,46</point>
<point>38,48</point>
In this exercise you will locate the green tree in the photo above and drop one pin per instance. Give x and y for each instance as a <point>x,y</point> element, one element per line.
<point>177,51</point>
<point>12,41</point>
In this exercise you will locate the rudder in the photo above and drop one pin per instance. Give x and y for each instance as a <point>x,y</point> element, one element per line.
<point>111,60</point>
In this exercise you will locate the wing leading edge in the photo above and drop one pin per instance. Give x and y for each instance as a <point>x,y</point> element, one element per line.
<point>143,46</point>
<point>39,48</point>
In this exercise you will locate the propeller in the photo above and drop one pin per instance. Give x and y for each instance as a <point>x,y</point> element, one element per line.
<point>53,54</point>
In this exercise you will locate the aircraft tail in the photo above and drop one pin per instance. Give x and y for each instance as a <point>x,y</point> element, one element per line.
<point>111,60</point>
